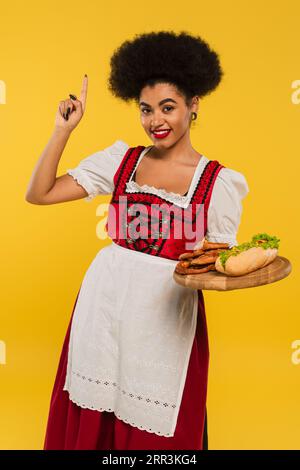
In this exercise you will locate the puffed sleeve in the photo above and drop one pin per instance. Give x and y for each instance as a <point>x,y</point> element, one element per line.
<point>95,173</point>
<point>225,208</point>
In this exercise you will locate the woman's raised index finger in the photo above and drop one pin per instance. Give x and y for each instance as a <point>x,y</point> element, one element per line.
<point>83,93</point>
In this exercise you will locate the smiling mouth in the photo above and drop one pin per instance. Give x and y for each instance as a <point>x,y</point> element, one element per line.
<point>161,134</point>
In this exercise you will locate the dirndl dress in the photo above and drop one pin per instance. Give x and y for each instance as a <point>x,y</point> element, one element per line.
<point>133,374</point>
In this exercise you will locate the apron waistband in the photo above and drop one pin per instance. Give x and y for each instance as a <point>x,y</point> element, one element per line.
<point>146,256</point>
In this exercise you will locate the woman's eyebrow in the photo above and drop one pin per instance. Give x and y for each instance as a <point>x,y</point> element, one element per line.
<point>161,102</point>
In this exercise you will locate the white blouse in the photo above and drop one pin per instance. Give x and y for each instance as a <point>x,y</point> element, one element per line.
<point>95,174</point>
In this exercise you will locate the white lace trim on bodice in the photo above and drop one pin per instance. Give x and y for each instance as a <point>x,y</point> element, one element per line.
<point>175,198</point>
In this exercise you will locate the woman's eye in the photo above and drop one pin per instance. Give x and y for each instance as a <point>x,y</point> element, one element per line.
<point>166,107</point>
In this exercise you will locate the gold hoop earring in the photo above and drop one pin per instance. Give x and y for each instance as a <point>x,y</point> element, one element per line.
<point>194,116</point>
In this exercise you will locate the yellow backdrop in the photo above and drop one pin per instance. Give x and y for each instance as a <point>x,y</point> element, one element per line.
<point>250,123</point>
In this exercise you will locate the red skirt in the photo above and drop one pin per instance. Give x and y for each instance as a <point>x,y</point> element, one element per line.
<point>71,427</point>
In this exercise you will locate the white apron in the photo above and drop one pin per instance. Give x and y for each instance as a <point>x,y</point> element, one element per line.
<point>131,337</point>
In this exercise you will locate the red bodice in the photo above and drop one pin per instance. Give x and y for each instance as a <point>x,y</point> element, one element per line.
<point>146,222</point>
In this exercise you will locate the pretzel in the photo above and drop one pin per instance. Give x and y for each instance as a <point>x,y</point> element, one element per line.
<point>184,264</point>
<point>206,245</point>
<point>200,260</point>
<point>181,270</point>
<point>204,259</point>
<point>191,254</point>
<point>209,256</point>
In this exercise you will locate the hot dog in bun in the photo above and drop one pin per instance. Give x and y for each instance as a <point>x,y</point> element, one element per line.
<point>249,256</point>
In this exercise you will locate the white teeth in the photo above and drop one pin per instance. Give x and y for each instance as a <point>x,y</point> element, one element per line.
<point>161,132</point>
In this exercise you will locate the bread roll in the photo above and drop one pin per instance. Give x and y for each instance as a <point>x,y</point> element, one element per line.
<point>246,261</point>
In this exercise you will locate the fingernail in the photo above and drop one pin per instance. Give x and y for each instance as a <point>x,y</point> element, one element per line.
<point>68,110</point>
<point>73,97</point>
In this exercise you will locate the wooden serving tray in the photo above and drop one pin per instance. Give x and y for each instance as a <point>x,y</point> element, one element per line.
<point>214,280</point>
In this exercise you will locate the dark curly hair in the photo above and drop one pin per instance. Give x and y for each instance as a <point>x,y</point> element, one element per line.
<point>182,60</point>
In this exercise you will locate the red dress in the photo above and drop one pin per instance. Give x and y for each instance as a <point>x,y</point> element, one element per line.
<point>71,427</point>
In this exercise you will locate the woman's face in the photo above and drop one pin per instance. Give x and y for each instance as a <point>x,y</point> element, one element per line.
<point>162,107</point>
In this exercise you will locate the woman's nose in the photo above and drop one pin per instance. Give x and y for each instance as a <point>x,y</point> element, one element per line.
<point>156,122</point>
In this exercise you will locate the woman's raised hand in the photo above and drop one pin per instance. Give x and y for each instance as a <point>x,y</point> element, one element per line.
<point>70,111</point>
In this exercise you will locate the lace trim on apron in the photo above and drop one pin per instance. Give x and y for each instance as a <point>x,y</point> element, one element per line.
<point>129,349</point>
